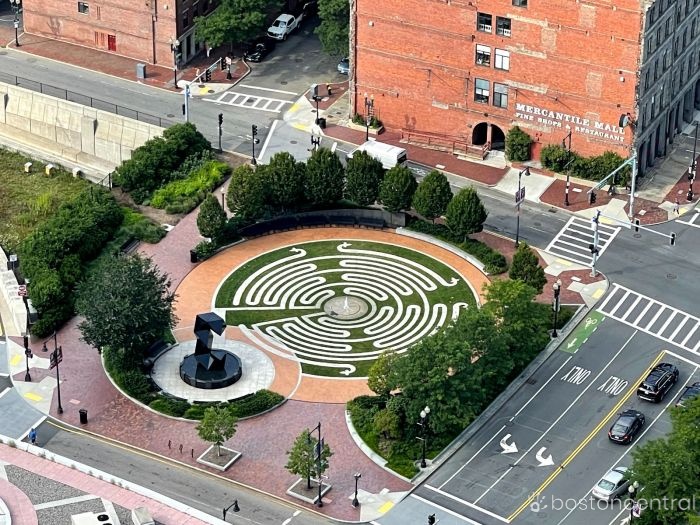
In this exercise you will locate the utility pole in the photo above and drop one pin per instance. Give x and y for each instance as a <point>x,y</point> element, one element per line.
<point>692,169</point>
<point>594,247</point>
<point>568,173</point>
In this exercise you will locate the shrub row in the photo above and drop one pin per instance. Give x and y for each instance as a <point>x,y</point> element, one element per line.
<point>184,195</point>
<point>251,405</point>
<point>494,262</point>
<point>556,158</point>
<point>159,160</point>
<point>53,256</point>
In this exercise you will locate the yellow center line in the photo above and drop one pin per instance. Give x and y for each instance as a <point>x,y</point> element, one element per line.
<point>585,442</point>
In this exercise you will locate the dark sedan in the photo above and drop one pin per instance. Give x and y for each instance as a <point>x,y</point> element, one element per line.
<point>690,392</point>
<point>258,50</point>
<point>626,427</point>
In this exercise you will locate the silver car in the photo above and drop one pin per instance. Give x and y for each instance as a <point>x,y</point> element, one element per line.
<point>613,484</point>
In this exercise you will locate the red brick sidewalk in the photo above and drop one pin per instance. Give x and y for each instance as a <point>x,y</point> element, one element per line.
<point>123,67</point>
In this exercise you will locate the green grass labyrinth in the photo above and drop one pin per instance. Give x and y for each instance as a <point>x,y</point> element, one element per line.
<point>338,305</point>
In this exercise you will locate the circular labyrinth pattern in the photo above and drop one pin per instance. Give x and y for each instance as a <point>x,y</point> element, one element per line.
<point>337,306</point>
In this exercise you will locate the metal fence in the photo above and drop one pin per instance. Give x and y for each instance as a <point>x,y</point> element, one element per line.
<point>85,100</point>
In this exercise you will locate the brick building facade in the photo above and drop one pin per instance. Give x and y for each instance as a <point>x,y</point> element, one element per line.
<point>141,29</point>
<point>462,73</point>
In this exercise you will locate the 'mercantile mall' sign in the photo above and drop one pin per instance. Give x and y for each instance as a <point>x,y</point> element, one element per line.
<point>557,119</point>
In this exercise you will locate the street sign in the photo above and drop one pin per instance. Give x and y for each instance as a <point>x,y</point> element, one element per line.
<point>22,290</point>
<point>520,195</point>
<point>55,357</point>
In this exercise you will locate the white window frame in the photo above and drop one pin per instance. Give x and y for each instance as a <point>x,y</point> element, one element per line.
<point>502,59</point>
<point>486,28</point>
<point>482,92</point>
<point>503,95</point>
<point>83,8</point>
<point>483,55</point>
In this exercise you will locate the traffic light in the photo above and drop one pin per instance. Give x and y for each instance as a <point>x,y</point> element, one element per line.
<point>593,249</point>
<point>183,109</point>
<point>636,225</point>
<point>223,65</point>
<point>221,119</point>
<point>254,129</point>
<point>431,519</point>
<point>672,238</point>
<point>591,197</point>
<point>207,75</point>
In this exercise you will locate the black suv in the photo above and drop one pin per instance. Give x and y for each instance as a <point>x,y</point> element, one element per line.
<point>659,381</point>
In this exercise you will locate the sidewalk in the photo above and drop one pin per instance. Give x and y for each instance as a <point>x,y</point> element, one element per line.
<point>159,76</point>
<point>68,489</point>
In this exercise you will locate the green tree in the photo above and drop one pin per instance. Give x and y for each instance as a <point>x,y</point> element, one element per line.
<point>518,145</point>
<point>380,378</point>
<point>211,219</point>
<point>300,458</point>
<point>127,304</point>
<point>333,31</point>
<point>325,178</point>
<point>465,213</point>
<point>526,268</point>
<point>217,426</point>
<point>247,194</point>
<point>432,195</point>
<point>286,180</point>
<point>234,22</point>
<point>363,176</point>
<point>387,424</point>
<point>397,189</point>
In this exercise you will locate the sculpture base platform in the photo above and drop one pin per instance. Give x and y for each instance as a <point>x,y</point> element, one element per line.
<point>210,371</point>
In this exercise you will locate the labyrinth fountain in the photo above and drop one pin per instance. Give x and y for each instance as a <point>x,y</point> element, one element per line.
<point>208,367</point>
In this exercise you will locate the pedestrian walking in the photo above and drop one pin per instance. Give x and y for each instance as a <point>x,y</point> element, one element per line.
<point>32,436</point>
<point>676,207</point>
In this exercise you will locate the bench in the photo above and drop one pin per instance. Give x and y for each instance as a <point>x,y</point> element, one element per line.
<point>130,245</point>
<point>313,220</point>
<point>370,222</point>
<point>343,220</point>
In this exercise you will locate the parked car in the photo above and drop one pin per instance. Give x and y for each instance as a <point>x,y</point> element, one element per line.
<point>659,381</point>
<point>612,485</point>
<point>690,392</point>
<point>344,66</point>
<point>626,427</point>
<point>259,49</point>
<point>283,26</point>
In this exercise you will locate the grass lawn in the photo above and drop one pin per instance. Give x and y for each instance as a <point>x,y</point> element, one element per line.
<point>27,199</point>
<point>448,295</point>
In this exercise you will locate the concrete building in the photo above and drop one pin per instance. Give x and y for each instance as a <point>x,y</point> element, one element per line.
<point>143,30</point>
<point>461,73</point>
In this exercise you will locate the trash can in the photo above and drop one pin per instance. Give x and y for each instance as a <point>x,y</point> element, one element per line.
<point>322,122</point>
<point>141,71</point>
<point>193,256</point>
<point>83,416</point>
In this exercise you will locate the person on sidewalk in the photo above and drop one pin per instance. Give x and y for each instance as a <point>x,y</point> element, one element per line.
<point>32,436</point>
<point>676,207</point>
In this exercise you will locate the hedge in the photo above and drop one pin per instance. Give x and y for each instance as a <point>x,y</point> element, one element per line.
<point>182,196</point>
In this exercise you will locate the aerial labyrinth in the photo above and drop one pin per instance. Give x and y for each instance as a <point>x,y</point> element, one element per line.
<point>336,306</point>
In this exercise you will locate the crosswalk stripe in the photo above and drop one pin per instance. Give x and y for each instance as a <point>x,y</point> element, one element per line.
<point>691,222</point>
<point>618,295</point>
<point>572,241</point>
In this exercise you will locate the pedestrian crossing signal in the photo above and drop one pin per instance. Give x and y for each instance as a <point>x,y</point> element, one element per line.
<point>591,197</point>
<point>636,225</point>
<point>673,239</point>
<point>431,519</point>
<point>207,75</point>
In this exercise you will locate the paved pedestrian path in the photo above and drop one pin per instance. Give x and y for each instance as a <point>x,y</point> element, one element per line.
<point>40,488</point>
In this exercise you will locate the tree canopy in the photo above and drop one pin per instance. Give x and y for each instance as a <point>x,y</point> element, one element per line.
<point>333,32</point>
<point>286,179</point>
<point>397,189</point>
<point>234,21</point>
<point>465,213</point>
<point>247,193</point>
<point>301,460</point>
<point>432,195</point>
<point>526,267</point>
<point>211,219</point>
<point>325,178</point>
<point>127,304</point>
<point>363,176</point>
<point>217,426</point>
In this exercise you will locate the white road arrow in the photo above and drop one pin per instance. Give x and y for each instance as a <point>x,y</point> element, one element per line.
<point>508,449</point>
<point>544,461</point>
<point>572,343</point>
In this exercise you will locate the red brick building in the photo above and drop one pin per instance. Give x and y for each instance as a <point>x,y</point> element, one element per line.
<point>141,29</point>
<point>462,73</point>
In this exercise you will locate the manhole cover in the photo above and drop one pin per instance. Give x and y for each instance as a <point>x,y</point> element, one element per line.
<point>671,276</point>
<point>531,381</point>
<point>283,82</point>
<point>552,210</point>
<point>537,223</point>
<point>637,235</point>
<point>210,91</point>
<point>3,53</point>
<point>298,60</point>
<point>293,142</point>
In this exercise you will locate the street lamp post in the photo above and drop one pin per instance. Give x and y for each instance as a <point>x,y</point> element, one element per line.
<point>28,355</point>
<point>175,48</point>
<point>319,459</point>
<point>55,357</point>
<point>692,169</point>
<point>16,7</point>
<point>423,423</point>
<point>568,158</point>
<point>634,508</point>
<point>369,106</point>
<point>223,194</point>
<point>519,199</point>
<point>557,290</point>
<point>355,503</point>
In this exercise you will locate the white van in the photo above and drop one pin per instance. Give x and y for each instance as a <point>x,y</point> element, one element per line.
<point>387,154</point>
